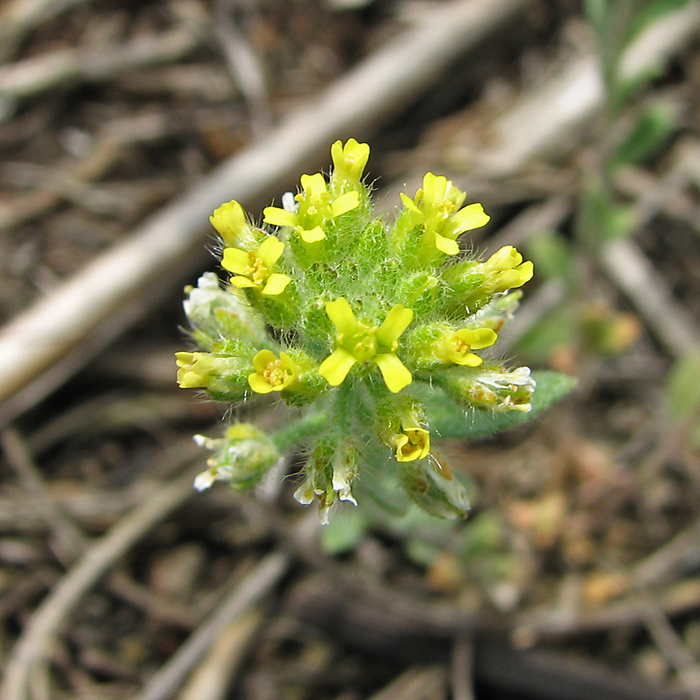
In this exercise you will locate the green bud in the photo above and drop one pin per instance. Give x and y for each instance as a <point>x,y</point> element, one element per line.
<point>329,473</point>
<point>224,378</point>
<point>432,486</point>
<point>492,387</point>
<point>217,313</point>
<point>241,457</point>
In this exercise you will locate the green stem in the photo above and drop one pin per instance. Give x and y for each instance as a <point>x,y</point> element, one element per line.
<point>307,426</point>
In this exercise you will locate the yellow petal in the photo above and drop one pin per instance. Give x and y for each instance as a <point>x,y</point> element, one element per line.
<point>396,322</point>
<point>341,315</point>
<point>468,359</point>
<point>270,251</point>
<point>409,203</point>
<point>336,366</point>
<point>471,217</point>
<point>312,235</point>
<point>527,270</point>
<point>229,221</point>
<point>276,284</point>
<point>263,359</point>
<point>445,245</point>
<point>505,258</point>
<point>477,338</point>
<point>346,202</point>
<point>259,384</point>
<point>235,260</point>
<point>280,217</point>
<point>242,282</point>
<point>184,359</point>
<point>434,188</point>
<point>314,185</point>
<point>395,374</point>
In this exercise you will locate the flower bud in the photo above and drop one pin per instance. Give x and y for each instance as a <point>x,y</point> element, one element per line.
<point>217,313</point>
<point>224,378</point>
<point>329,473</point>
<point>494,387</point>
<point>231,224</point>
<point>405,428</point>
<point>241,457</point>
<point>432,486</point>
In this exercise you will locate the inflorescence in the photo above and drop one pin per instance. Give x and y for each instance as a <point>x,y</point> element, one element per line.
<point>344,317</point>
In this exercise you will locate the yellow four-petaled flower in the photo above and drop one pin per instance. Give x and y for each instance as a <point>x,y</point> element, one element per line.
<point>437,207</point>
<point>349,161</point>
<point>456,348</point>
<point>413,442</point>
<point>315,206</point>
<point>272,373</point>
<point>506,269</point>
<point>357,342</point>
<point>252,268</point>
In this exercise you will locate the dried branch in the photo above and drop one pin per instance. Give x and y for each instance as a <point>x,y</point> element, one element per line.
<point>19,17</point>
<point>73,66</point>
<point>649,292</point>
<point>32,648</point>
<point>256,585</point>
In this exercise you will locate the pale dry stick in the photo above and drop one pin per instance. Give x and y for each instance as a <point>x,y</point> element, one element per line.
<point>651,295</point>
<point>417,683</point>
<point>253,588</point>
<point>462,676</point>
<point>672,646</point>
<point>42,73</point>
<point>69,540</point>
<point>69,177</point>
<point>33,645</point>
<point>212,679</point>
<point>675,558</point>
<point>549,119</point>
<point>531,625</point>
<point>19,17</point>
<point>51,340</point>
<point>244,65</point>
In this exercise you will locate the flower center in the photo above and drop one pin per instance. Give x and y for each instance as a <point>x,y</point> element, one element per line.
<point>256,270</point>
<point>460,345</point>
<point>275,373</point>
<point>362,345</point>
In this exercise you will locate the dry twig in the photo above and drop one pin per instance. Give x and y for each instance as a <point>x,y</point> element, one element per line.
<point>30,652</point>
<point>256,585</point>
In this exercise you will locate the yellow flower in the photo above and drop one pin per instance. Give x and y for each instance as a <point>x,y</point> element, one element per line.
<point>437,207</point>
<point>349,161</point>
<point>252,267</point>
<point>230,222</point>
<point>456,348</point>
<point>413,442</point>
<point>357,342</point>
<point>506,270</point>
<point>195,369</point>
<point>272,373</point>
<point>315,207</point>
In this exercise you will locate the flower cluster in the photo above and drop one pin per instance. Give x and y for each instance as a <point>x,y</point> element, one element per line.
<point>343,316</point>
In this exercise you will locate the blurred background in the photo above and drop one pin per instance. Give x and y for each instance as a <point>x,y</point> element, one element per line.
<point>122,126</point>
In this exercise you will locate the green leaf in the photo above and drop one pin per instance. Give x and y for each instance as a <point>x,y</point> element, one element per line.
<point>346,528</point>
<point>552,255</point>
<point>449,420</point>
<point>559,328</point>
<point>683,388</point>
<point>649,11</point>
<point>652,129</point>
